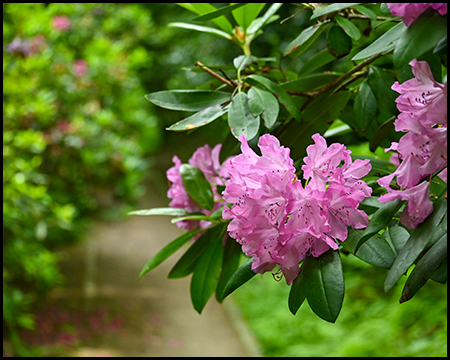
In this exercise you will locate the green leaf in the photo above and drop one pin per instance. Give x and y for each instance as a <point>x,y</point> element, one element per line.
<point>325,284</point>
<point>416,243</point>
<point>197,186</point>
<point>349,28</point>
<point>425,268</point>
<point>280,94</point>
<point>204,8</point>
<point>258,23</point>
<point>168,250</point>
<point>188,100</point>
<point>305,39</point>
<point>383,44</point>
<point>186,264</point>
<point>368,12</point>
<point>382,133</point>
<point>243,61</point>
<point>311,82</point>
<point>206,274</point>
<point>420,37</point>
<point>261,102</point>
<point>231,257</point>
<point>379,221</point>
<point>297,294</point>
<point>381,85</point>
<point>240,118</point>
<point>240,277</point>
<point>216,13</point>
<point>380,167</point>
<point>318,60</point>
<point>205,29</point>
<point>316,118</point>
<point>365,107</point>
<point>327,9</point>
<point>339,43</point>
<point>201,118</point>
<point>246,14</point>
<point>160,211</point>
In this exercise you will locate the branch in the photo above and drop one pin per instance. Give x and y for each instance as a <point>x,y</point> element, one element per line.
<point>217,76</point>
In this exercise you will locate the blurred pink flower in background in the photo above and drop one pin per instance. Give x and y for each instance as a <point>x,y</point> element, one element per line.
<point>80,68</point>
<point>61,22</point>
<point>411,11</point>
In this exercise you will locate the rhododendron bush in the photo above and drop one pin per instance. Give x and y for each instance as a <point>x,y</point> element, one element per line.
<point>283,192</point>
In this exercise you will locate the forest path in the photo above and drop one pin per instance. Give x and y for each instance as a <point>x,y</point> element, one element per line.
<point>152,317</point>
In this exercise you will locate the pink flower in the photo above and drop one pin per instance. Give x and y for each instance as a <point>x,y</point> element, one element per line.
<point>419,204</point>
<point>80,68</point>
<point>276,219</point>
<point>61,23</point>
<point>207,160</point>
<point>423,149</point>
<point>411,11</point>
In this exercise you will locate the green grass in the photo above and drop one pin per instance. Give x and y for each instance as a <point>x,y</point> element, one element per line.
<point>371,323</point>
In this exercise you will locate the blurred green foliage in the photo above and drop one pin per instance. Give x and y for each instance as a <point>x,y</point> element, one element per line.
<point>371,323</point>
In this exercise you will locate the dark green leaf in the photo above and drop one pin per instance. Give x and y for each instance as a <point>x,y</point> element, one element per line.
<point>366,11</point>
<point>160,211</point>
<point>188,100</point>
<point>383,44</point>
<point>231,256</point>
<point>379,167</point>
<point>339,43</point>
<point>186,264</point>
<point>280,94</point>
<point>379,221</point>
<point>318,60</point>
<point>365,108</point>
<point>263,20</point>
<point>197,186</point>
<point>416,243</point>
<point>297,294</point>
<point>206,274</point>
<point>396,236</point>
<point>168,250</point>
<point>381,134</point>
<point>350,28</point>
<point>240,277</point>
<point>325,284</point>
<point>240,118</point>
<point>375,251</point>
<point>311,82</point>
<point>425,268</point>
<point>216,13</point>
<point>381,85</point>
<point>305,39</point>
<point>316,119</point>
<point>327,9</point>
<point>201,118</point>
<point>420,37</point>
<point>263,103</point>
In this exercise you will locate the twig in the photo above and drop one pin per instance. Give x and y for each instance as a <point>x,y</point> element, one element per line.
<point>217,76</point>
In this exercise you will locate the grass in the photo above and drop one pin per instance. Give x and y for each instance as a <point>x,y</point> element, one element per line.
<point>371,323</point>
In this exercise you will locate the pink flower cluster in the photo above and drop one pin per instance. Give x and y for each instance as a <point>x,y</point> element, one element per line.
<point>276,219</point>
<point>423,149</point>
<point>207,160</point>
<point>411,11</point>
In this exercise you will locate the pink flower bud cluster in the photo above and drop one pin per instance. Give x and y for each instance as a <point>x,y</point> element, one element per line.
<point>207,160</point>
<point>411,11</point>
<point>423,149</point>
<point>276,219</point>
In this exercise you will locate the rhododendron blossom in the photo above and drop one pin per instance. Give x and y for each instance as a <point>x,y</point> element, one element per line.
<point>423,149</point>
<point>207,160</point>
<point>411,11</point>
<point>276,219</point>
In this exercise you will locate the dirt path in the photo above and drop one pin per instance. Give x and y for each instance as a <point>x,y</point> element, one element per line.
<point>153,317</point>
